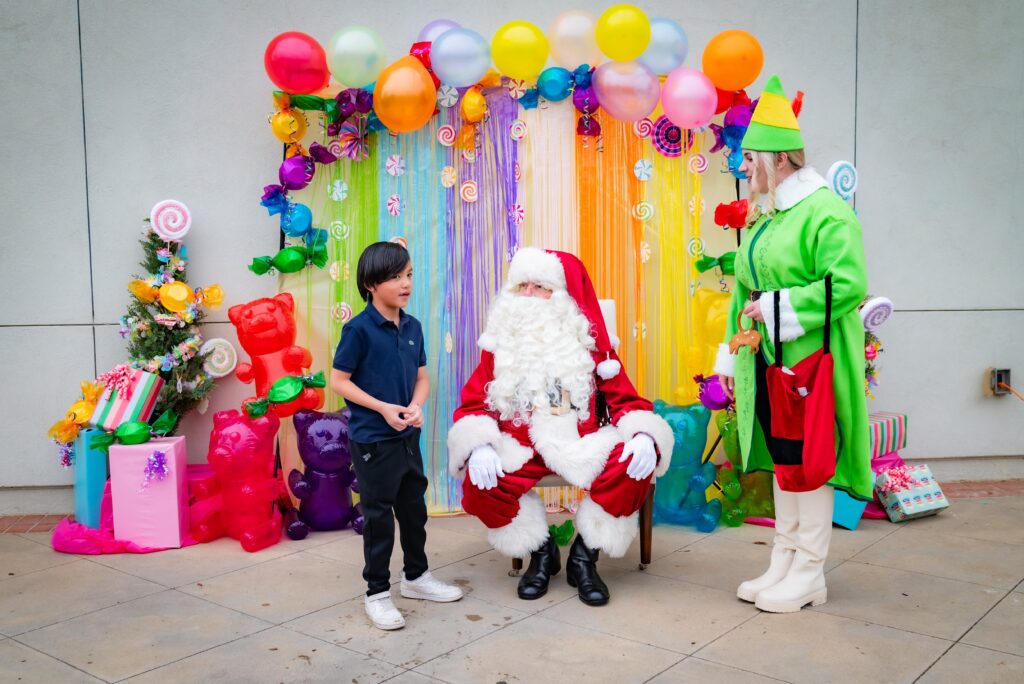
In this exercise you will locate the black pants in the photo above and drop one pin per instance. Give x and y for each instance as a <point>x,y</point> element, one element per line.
<point>391,485</point>
<point>783,451</point>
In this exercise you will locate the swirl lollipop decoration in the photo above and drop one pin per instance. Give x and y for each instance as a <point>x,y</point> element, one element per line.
<point>221,357</point>
<point>171,220</point>
<point>842,178</point>
<point>447,96</point>
<point>342,312</point>
<point>468,191</point>
<point>517,129</point>
<point>448,176</point>
<point>643,170</point>
<point>395,165</point>
<point>517,214</point>
<point>394,205</point>
<point>643,211</point>
<point>643,128</point>
<point>517,172</point>
<point>875,312</point>
<point>698,163</point>
<point>446,135</point>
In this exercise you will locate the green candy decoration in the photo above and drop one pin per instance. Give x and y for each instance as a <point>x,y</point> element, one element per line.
<point>256,408</point>
<point>291,259</point>
<point>290,387</point>
<point>165,424</point>
<point>562,534</point>
<point>133,432</point>
<point>727,262</point>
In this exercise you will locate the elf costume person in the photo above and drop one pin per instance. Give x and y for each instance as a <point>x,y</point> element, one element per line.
<point>549,396</point>
<point>799,234</point>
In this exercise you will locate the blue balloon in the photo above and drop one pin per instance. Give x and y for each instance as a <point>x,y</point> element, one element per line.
<point>296,220</point>
<point>555,84</point>
<point>668,47</point>
<point>460,57</point>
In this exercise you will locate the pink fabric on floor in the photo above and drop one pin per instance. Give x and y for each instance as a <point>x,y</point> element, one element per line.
<point>72,537</point>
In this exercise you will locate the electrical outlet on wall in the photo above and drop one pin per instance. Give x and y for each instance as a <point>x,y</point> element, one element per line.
<point>997,382</point>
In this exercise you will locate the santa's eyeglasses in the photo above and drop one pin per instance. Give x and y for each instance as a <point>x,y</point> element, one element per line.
<point>532,289</point>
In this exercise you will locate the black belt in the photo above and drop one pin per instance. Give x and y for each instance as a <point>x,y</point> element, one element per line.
<point>755,295</point>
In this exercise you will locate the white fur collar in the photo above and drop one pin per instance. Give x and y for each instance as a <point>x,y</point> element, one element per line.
<point>797,187</point>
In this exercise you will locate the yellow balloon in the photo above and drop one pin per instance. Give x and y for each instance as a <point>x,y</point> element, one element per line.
<point>288,125</point>
<point>623,32</point>
<point>474,105</point>
<point>176,296</point>
<point>519,50</point>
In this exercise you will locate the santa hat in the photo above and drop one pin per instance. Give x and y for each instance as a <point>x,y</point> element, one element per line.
<point>773,126</point>
<point>564,272</point>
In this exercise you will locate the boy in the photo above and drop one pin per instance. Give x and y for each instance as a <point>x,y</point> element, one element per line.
<point>380,370</point>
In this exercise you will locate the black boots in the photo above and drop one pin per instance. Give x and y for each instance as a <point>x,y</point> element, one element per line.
<point>545,563</point>
<point>581,572</point>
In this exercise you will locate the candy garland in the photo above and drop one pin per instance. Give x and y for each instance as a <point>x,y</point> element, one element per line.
<point>181,353</point>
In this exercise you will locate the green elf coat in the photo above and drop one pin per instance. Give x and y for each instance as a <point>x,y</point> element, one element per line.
<point>812,234</point>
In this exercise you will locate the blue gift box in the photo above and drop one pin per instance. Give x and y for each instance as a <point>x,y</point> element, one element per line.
<point>90,478</point>
<point>847,511</point>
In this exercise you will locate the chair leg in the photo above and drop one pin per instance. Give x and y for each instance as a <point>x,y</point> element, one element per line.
<point>646,529</point>
<point>517,567</point>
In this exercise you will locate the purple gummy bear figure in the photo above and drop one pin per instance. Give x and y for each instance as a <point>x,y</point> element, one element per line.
<point>325,489</point>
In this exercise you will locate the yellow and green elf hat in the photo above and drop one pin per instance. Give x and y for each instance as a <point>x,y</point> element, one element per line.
<point>773,127</point>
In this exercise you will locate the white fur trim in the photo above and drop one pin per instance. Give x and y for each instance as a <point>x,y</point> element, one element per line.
<point>606,532</point>
<point>577,459</point>
<point>789,325</point>
<point>635,422</point>
<point>531,264</point>
<point>725,362</point>
<point>511,453</point>
<point>797,187</point>
<point>527,531</point>
<point>467,434</point>
<point>608,369</point>
<point>487,342</point>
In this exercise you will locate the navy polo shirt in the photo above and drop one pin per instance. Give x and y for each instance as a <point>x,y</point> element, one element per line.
<point>384,360</point>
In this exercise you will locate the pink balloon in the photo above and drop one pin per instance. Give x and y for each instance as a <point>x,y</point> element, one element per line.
<point>628,91</point>
<point>689,98</point>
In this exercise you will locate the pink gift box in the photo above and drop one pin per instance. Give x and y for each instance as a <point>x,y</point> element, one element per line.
<point>150,511</point>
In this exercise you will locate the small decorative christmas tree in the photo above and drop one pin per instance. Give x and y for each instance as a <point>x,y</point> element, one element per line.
<point>162,325</point>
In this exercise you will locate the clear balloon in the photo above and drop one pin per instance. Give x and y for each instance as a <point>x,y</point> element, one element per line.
<point>404,97</point>
<point>668,47</point>
<point>733,59</point>
<point>555,83</point>
<point>296,63</point>
<point>623,32</point>
<point>519,50</point>
<point>628,91</point>
<point>573,41</point>
<point>356,56</point>
<point>688,98</point>
<point>434,29</point>
<point>460,57</point>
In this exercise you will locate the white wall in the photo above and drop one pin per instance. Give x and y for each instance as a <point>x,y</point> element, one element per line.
<point>926,97</point>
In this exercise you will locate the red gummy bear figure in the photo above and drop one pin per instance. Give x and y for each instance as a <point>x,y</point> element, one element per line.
<point>266,331</point>
<point>242,455</point>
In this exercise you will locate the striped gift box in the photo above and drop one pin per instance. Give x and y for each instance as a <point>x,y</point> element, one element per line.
<point>112,409</point>
<point>888,433</point>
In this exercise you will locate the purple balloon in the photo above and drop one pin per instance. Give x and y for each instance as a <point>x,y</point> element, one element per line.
<point>325,489</point>
<point>435,28</point>
<point>296,172</point>
<point>628,91</point>
<point>585,100</point>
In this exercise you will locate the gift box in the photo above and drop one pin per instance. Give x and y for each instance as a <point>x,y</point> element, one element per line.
<point>846,510</point>
<point>888,433</point>
<point>149,488</point>
<point>137,403</point>
<point>90,478</point>
<point>909,492</point>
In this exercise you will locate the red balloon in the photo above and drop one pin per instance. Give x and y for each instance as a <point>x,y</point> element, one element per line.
<point>296,63</point>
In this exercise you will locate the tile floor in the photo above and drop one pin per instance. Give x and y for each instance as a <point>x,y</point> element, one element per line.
<point>935,600</point>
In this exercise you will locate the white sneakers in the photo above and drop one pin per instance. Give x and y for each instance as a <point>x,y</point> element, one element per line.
<point>382,612</point>
<point>429,588</point>
<point>796,575</point>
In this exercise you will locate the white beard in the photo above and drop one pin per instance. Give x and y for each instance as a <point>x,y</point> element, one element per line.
<point>542,347</point>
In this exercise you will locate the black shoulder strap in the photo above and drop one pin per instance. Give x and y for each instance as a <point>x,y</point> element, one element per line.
<point>828,313</point>
<point>778,329</point>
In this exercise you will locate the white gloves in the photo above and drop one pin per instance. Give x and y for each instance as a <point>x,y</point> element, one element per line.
<point>644,456</point>
<point>485,467</point>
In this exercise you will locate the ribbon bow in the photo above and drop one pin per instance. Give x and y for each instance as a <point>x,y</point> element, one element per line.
<point>727,262</point>
<point>897,479</point>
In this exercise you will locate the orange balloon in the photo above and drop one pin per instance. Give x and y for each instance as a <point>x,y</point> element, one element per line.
<point>733,59</point>
<point>405,96</point>
<point>474,105</point>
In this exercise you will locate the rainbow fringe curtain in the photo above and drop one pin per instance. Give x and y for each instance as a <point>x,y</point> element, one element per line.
<point>638,236</point>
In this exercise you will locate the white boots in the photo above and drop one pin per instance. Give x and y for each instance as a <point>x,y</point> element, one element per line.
<point>796,575</point>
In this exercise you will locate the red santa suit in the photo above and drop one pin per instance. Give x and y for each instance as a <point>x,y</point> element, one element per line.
<point>558,436</point>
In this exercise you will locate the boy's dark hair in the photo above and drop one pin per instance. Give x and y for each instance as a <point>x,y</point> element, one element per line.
<point>378,263</point>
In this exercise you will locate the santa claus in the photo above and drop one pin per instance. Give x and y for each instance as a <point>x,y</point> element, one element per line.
<point>549,396</point>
